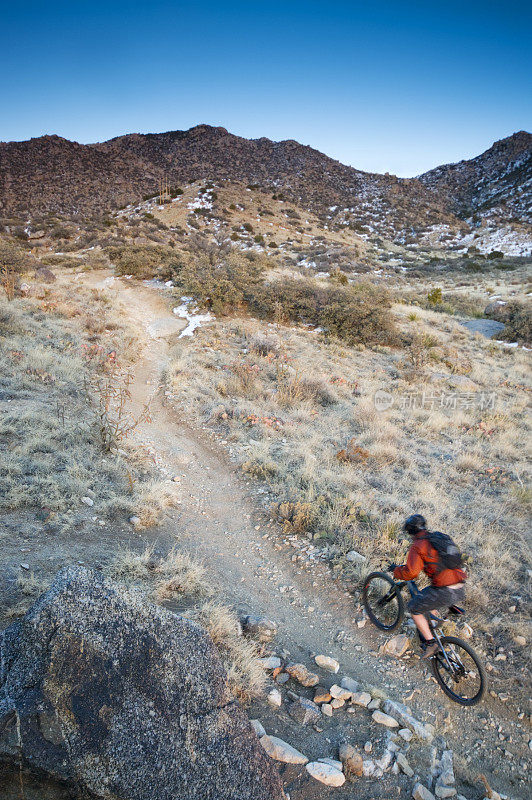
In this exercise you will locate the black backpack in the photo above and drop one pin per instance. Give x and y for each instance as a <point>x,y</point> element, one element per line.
<point>449,556</point>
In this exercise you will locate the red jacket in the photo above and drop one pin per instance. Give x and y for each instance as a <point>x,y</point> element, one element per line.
<point>423,556</point>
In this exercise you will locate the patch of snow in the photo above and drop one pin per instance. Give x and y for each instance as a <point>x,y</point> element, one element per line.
<point>193,318</point>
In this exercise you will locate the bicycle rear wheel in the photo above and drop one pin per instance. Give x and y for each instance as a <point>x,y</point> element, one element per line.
<point>383,601</point>
<point>464,681</point>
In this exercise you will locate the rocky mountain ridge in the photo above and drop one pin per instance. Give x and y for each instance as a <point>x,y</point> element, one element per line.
<point>51,175</point>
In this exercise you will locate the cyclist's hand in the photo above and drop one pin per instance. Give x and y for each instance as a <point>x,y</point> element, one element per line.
<point>391,567</point>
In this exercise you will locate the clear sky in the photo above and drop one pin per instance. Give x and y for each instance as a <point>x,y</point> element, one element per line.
<point>383,86</point>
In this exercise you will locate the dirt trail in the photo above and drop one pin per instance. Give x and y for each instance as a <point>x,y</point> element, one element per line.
<point>220,520</point>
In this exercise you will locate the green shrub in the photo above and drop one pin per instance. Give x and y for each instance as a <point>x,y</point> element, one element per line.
<point>435,296</point>
<point>357,313</point>
<point>248,227</point>
<point>495,254</point>
<point>142,261</point>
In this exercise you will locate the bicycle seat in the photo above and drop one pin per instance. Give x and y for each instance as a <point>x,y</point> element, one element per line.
<point>456,610</point>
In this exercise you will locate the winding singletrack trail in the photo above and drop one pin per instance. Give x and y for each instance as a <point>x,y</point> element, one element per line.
<point>220,521</point>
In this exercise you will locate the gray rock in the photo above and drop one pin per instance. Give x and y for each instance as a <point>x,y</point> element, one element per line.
<point>404,765</point>
<point>349,684</point>
<point>325,773</point>
<point>304,711</point>
<point>105,691</point>
<point>275,698</point>
<point>420,792</point>
<point>262,628</point>
<point>270,662</point>
<point>328,663</point>
<point>282,751</point>
<point>361,699</point>
<point>384,719</point>
<point>401,713</point>
<point>355,558</point>
<point>258,727</point>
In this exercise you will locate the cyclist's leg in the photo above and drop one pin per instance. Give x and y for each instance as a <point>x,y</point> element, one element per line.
<point>424,604</point>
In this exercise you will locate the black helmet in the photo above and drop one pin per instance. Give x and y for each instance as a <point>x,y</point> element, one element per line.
<point>414,524</point>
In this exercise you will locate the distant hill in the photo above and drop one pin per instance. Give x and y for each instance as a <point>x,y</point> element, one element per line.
<point>54,175</point>
<point>497,183</point>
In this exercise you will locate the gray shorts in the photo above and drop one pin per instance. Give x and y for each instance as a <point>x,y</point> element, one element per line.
<point>435,597</point>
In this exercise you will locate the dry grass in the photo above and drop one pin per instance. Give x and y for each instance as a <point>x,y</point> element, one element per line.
<point>465,467</point>
<point>178,576</point>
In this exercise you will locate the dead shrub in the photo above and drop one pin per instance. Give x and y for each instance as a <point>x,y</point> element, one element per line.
<point>296,517</point>
<point>353,454</point>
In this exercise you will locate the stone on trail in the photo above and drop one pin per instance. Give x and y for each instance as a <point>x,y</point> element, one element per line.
<point>396,646</point>
<point>302,675</point>
<point>104,691</point>
<point>443,791</point>
<point>325,773</point>
<point>326,709</point>
<point>327,663</point>
<point>304,711</point>
<point>258,727</point>
<point>262,628</point>
<point>404,765</point>
<point>420,792</point>
<point>350,684</point>
<point>384,719</point>
<point>361,699</point>
<point>332,762</point>
<point>401,713</point>
<point>355,557</point>
<point>351,759</point>
<point>269,662</point>
<point>339,693</point>
<point>322,695</point>
<point>406,734</point>
<point>446,770</point>
<point>275,698</point>
<point>282,751</point>
<point>337,702</point>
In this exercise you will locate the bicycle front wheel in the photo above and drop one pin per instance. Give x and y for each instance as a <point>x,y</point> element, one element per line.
<point>462,679</point>
<point>382,601</point>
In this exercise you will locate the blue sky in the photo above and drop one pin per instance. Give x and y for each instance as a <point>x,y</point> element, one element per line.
<point>383,86</point>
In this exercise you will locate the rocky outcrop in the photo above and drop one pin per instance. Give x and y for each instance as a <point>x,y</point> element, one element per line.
<point>103,695</point>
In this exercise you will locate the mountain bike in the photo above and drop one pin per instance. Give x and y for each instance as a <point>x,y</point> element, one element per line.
<point>456,667</point>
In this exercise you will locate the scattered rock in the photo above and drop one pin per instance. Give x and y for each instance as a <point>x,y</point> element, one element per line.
<point>325,773</point>
<point>351,759</point>
<point>361,699</point>
<point>401,713</point>
<point>24,566</point>
<point>337,702</point>
<point>332,762</point>
<point>406,734</point>
<point>265,630</point>
<point>396,646</point>
<point>302,675</point>
<point>446,770</point>
<point>135,521</point>
<point>404,765</point>
<point>270,662</point>
<point>304,711</point>
<point>443,791</point>
<point>384,719</point>
<point>349,684</point>
<point>326,709</point>
<point>520,641</point>
<point>327,663</point>
<point>281,751</point>
<point>420,792</point>
<point>322,695</point>
<point>275,698</point>
<point>258,727</point>
<point>368,747</point>
<point>355,557</point>
<point>83,691</point>
<point>88,501</point>
<point>374,705</point>
<point>339,693</point>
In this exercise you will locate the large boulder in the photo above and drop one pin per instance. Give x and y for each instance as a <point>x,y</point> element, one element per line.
<point>103,695</point>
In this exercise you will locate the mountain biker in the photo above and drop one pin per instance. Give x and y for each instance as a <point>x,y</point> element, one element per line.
<point>447,585</point>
